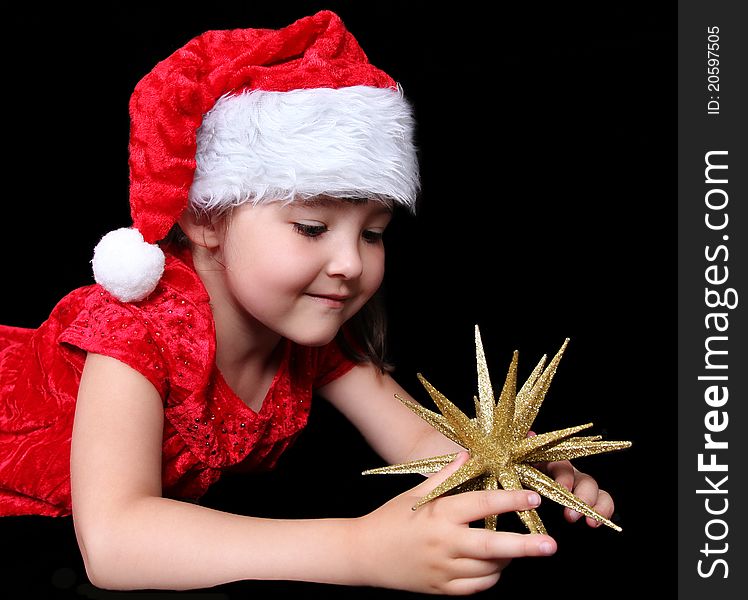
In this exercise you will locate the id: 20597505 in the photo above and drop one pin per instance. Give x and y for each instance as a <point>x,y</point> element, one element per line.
<point>712,69</point>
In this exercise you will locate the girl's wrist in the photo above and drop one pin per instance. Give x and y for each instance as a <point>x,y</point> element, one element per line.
<point>340,554</point>
<point>366,569</point>
<point>379,556</point>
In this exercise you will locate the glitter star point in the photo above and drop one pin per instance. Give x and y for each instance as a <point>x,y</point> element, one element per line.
<point>502,450</point>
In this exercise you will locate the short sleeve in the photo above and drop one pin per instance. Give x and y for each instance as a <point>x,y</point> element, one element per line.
<point>108,327</point>
<point>331,364</point>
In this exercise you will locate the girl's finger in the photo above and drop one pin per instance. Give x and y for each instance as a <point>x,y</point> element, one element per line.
<point>601,502</point>
<point>586,489</point>
<point>473,506</point>
<point>485,544</point>
<point>461,568</point>
<point>430,483</point>
<point>464,587</point>
<point>604,506</point>
<point>562,472</point>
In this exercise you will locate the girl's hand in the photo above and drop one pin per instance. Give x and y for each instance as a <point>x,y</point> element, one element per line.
<point>580,484</point>
<point>584,487</point>
<point>433,549</point>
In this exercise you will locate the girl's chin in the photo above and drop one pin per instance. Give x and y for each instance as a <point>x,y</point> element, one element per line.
<point>315,339</point>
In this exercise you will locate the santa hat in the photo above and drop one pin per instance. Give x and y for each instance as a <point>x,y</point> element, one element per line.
<point>256,115</point>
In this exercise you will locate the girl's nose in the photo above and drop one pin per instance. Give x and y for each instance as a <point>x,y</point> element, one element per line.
<point>345,261</point>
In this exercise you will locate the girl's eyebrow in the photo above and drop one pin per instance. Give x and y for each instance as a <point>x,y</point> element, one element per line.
<point>326,201</point>
<point>315,202</point>
<point>331,200</point>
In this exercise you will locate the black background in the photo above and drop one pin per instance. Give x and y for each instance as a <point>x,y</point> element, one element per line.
<point>547,141</point>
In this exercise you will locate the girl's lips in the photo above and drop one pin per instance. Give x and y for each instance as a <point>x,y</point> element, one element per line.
<point>331,300</point>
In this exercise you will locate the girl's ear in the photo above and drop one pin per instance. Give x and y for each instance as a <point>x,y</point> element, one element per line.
<point>200,231</point>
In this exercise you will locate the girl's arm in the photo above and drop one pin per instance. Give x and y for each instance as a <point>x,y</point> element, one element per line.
<point>367,398</point>
<point>131,537</point>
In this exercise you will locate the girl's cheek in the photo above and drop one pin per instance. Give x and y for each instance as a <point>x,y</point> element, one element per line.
<point>377,271</point>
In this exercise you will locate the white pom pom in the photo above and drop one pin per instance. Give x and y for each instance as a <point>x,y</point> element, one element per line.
<point>126,265</point>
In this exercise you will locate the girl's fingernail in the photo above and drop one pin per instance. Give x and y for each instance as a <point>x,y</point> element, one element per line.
<point>533,499</point>
<point>574,516</point>
<point>546,548</point>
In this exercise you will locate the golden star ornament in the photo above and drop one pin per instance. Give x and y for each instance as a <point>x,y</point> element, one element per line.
<point>502,449</point>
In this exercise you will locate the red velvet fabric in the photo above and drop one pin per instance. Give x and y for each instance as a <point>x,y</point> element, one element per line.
<point>168,104</point>
<point>170,339</point>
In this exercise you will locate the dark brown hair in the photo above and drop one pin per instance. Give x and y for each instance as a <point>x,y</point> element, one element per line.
<point>367,330</point>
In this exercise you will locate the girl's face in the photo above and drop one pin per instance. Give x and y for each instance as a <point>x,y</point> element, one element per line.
<point>303,269</point>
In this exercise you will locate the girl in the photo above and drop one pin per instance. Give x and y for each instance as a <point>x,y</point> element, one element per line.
<point>265,167</point>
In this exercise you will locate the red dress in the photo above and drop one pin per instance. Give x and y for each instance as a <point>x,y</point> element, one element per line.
<point>170,339</point>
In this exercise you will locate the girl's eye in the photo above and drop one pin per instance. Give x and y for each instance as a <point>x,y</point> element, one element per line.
<point>373,237</point>
<point>308,230</point>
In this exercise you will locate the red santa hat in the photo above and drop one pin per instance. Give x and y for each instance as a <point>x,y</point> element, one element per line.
<point>256,115</point>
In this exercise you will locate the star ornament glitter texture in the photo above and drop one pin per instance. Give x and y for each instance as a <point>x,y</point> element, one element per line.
<point>501,452</point>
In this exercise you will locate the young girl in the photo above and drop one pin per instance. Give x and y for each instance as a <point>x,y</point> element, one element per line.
<point>265,167</point>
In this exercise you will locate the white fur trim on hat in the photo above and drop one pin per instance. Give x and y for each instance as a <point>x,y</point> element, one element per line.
<point>126,266</point>
<point>261,146</point>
